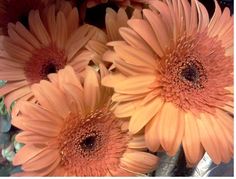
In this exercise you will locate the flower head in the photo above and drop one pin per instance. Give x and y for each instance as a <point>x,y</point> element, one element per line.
<point>73,132</point>
<point>174,78</point>
<point>54,40</point>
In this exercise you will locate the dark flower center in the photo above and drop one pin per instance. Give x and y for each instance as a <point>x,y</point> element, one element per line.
<point>89,142</point>
<point>44,62</point>
<point>49,68</point>
<point>190,73</point>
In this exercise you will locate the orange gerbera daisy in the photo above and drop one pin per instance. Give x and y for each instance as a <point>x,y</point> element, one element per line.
<point>175,78</point>
<point>75,133</point>
<point>17,10</point>
<point>52,42</point>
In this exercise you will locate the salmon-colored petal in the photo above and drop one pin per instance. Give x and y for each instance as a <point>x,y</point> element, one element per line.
<point>30,138</point>
<point>126,109</point>
<point>126,97</point>
<point>51,97</point>
<point>12,75</point>
<point>138,142</point>
<point>170,115</point>
<point>68,76</point>
<point>224,145</point>
<point>146,161</point>
<point>145,31</point>
<point>39,113</point>
<point>136,57</point>
<point>203,17</point>
<point>18,39</point>
<point>61,33</point>
<point>130,70</point>
<point>73,20</point>
<point>37,27</point>
<point>76,95</point>
<point>193,17</point>
<point>151,138</point>
<point>144,114</point>
<point>135,85</point>
<point>14,50</point>
<point>42,160</point>
<point>134,40</point>
<point>216,16</point>
<point>97,47</point>
<point>161,33</point>
<point>27,35</point>
<point>11,86</point>
<point>208,138</point>
<point>191,140</point>
<point>26,153</point>
<point>164,11</point>
<point>91,89</point>
<point>112,25</point>
<point>39,127</point>
<point>113,79</point>
<point>16,94</point>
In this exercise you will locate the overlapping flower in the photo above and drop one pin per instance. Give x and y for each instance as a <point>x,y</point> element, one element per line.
<point>95,101</point>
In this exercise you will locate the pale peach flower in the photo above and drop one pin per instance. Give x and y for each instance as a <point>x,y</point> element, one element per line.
<point>174,77</point>
<point>54,40</point>
<point>73,132</point>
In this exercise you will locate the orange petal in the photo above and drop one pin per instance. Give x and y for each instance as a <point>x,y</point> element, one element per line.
<point>134,56</point>
<point>91,89</point>
<point>113,79</point>
<point>51,98</point>
<point>26,153</point>
<point>208,138</point>
<point>135,85</point>
<point>151,137</point>
<point>140,162</point>
<point>156,22</point>
<point>171,128</point>
<point>144,114</point>
<point>191,140</point>
<point>133,39</point>
<point>145,31</point>
<point>44,159</point>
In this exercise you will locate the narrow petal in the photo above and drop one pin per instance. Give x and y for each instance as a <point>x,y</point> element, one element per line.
<point>135,85</point>
<point>151,138</point>
<point>42,160</point>
<point>133,39</point>
<point>208,138</point>
<point>191,140</point>
<point>51,97</point>
<point>145,31</point>
<point>134,56</point>
<point>144,114</point>
<point>91,89</point>
<point>26,153</point>
<point>170,115</point>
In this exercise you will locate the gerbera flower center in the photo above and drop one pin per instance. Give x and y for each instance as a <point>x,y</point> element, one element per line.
<point>90,142</point>
<point>191,72</point>
<point>43,62</point>
<point>90,145</point>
